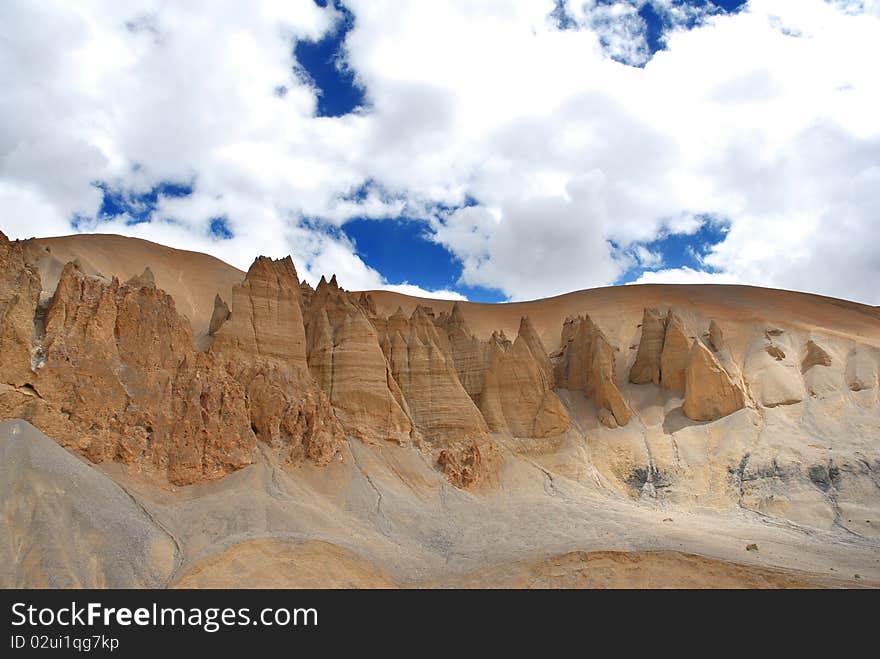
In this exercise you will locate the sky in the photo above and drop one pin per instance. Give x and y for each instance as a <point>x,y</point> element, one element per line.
<point>491,150</point>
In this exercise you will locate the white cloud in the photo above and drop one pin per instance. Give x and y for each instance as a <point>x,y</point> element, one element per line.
<point>685,275</point>
<point>647,258</point>
<point>621,30</point>
<point>573,157</point>
<point>418,291</point>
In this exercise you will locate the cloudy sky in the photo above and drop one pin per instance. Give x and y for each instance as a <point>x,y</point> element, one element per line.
<point>488,149</point>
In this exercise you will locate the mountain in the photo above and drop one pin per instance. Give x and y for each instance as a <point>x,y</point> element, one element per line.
<point>258,431</point>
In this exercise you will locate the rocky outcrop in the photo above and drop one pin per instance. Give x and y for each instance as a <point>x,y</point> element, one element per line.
<point>210,422</point>
<point>290,414</point>
<point>111,356</point>
<point>305,293</point>
<point>402,377</point>
<point>663,351</point>
<point>587,363</point>
<point>469,354</point>
<point>815,355</point>
<point>539,353</point>
<point>266,319</point>
<point>440,407</point>
<point>674,358</point>
<point>464,464</point>
<point>710,391</point>
<point>714,385</point>
<point>111,371</point>
<point>367,304</point>
<point>646,368</point>
<point>146,278</point>
<point>822,373</point>
<point>263,347</point>
<point>119,379</point>
<point>219,316</point>
<point>716,336</point>
<point>362,389</point>
<point>348,364</point>
<point>19,299</point>
<point>517,395</point>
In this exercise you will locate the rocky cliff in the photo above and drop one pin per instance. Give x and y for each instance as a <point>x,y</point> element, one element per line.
<point>111,369</point>
<point>422,432</point>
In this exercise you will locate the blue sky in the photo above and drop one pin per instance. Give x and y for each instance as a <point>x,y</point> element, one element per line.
<point>490,151</point>
<point>402,248</point>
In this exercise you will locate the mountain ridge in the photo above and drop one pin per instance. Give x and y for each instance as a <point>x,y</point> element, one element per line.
<point>737,400</point>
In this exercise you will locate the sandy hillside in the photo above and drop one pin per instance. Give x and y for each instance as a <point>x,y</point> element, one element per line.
<point>383,518</point>
<point>191,278</point>
<point>680,436</point>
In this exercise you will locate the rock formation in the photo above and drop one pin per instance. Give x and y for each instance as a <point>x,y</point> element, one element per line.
<point>402,402</point>
<point>663,351</point>
<point>517,394</point>
<point>716,336</point>
<point>19,297</point>
<point>262,346</point>
<point>110,370</point>
<point>587,363</point>
<point>441,408</point>
<point>463,464</point>
<point>710,392</point>
<point>366,302</point>
<point>469,354</point>
<point>117,376</point>
<point>219,316</point>
<point>347,362</point>
<point>646,368</point>
<point>706,374</point>
<point>816,355</point>
<point>366,396</point>
<point>674,358</point>
<point>266,318</point>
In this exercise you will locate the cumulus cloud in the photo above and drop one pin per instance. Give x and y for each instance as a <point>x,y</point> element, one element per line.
<point>418,291</point>
<point>685,275</point>
<point>767,118</point>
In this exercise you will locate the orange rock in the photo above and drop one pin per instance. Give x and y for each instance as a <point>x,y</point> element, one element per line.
<point>440,407</point>
<point>587,363</point>
<point>119,378</point>
<point>646,368</point>
<point>19,298</point>
<point>266,318</point>
<point>219,316</point>
<point>363,392</point>
<point>517,395</point>
<point>463,464</point>
<point>816,356</point>
<point>710,392</point>
<point>349,365</point>
<point>674,358</point>
<point>469,355</point>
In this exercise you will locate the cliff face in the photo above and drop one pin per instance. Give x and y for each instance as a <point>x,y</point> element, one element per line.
<point>588,363</point>
<point>347,363</point>
<point>110,369</point>
<point>266,319</point>
<point>19,296</point>
<point>517,394</point>
<point>115,374</point>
